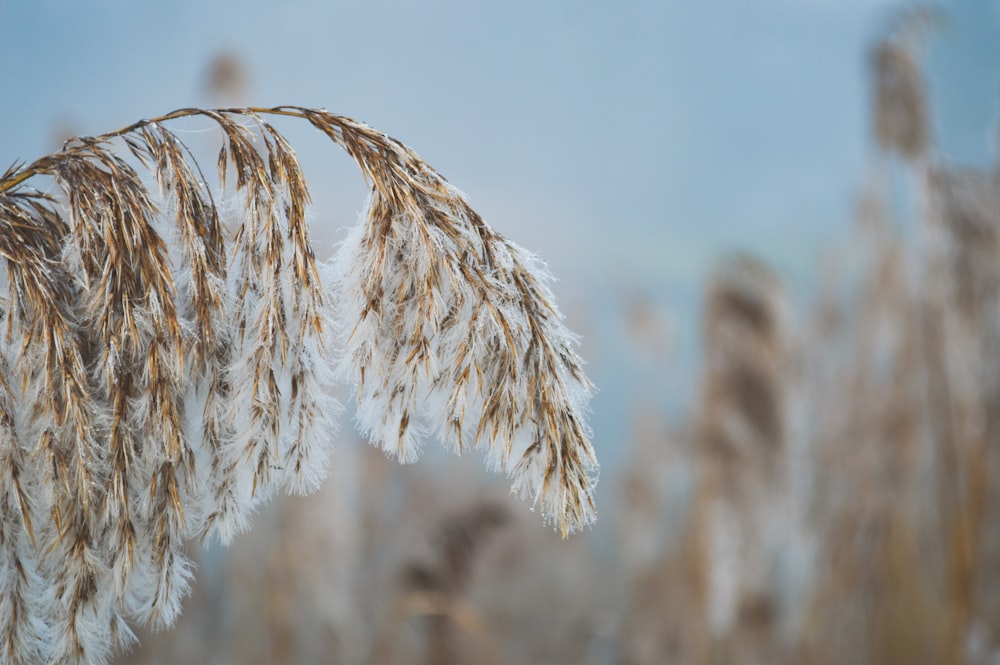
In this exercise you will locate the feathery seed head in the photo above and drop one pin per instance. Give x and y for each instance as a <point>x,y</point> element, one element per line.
<point>168,359</point>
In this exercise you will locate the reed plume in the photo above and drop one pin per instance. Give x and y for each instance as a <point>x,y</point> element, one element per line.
<point>901,116</point>
<point>169,352</point>
<point>436,588</point>
<point>742,428</point>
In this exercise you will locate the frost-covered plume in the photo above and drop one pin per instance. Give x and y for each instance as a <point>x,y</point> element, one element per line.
<point>456,334</point>
<point>169,349</point>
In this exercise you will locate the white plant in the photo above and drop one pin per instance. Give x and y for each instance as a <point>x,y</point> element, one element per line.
<point>167,362</point>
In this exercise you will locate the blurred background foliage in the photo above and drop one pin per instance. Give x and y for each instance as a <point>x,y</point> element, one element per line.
<point>776,225</point>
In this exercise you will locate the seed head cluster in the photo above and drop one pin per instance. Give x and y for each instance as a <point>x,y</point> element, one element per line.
<point>170,349</point>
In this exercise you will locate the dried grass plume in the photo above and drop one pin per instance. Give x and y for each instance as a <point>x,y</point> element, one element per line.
<point>169,348</point>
